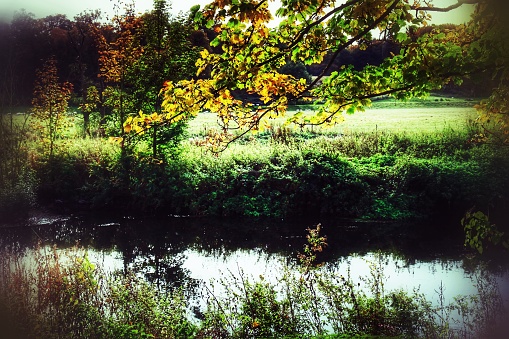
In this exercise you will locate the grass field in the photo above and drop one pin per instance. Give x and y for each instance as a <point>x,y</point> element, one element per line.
<point>420,119</point>
<point>385,116</point>
<point>428,115</point>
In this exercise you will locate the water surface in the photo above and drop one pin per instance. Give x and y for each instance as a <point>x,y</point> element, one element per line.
<point>175,251</point>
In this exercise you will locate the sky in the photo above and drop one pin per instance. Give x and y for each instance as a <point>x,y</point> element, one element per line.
<point>43,8</point>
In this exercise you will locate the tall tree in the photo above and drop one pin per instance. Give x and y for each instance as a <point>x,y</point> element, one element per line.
<point>50,102</point>
<point>28,51</point>
<point>84,36</point>
<point>167,55</point>
<point>489,53</point>
<point>84,39</point>
<point>116,57</point>
<point>8,74</point>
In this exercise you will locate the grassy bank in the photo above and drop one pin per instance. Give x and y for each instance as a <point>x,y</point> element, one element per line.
<point>361,175</point>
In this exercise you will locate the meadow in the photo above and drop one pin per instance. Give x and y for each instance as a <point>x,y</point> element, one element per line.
<point>427,115</point>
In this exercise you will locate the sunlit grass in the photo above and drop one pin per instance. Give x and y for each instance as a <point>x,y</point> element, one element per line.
<point>269,173</point>
<point>381,117</point>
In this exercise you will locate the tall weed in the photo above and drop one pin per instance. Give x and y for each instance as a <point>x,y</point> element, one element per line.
<point>319,302</point>
<point>50,294</point>
<point>17,180</point>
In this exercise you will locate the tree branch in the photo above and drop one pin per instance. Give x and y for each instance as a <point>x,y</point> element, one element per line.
<point>351,41</point>
<point>301,34</point>
<point>446,9</point>
<point>352,100</point>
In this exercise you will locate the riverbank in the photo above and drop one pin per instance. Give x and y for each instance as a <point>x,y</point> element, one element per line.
<point>382,177</point>
<point>408,163</point>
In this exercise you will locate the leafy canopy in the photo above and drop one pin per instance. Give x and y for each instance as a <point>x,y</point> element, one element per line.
<point>248,51</point>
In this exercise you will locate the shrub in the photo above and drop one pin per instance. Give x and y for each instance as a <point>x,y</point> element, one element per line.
<point>363,175</point>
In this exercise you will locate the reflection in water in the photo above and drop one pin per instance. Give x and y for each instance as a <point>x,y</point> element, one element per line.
<point>184,252</point>
<point>423,276</point>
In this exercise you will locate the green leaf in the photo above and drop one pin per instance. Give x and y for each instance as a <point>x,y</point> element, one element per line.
<point>215,42</point>
<point>401,37</point>
<point>198,17</point>
<point>232,23</point>
<point>209,23</point>
<point>295,52</point>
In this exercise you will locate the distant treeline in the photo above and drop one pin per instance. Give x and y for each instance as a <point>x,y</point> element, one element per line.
<point>77,44</point>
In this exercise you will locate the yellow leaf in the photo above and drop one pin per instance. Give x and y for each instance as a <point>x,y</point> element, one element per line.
<point>204,53</point>
<point>117,140</point>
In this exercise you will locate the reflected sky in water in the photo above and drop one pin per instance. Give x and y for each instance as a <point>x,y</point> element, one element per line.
<point>189,252</point>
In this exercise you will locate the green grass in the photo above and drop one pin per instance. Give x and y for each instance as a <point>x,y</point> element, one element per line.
<point>409,120</point>
<point>386,116</point>
<point>431,114</point>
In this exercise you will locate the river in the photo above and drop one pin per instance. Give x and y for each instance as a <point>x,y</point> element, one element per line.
<point>190,252</point>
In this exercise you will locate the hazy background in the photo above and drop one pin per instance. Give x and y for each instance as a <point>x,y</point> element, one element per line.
<point>43,8</point>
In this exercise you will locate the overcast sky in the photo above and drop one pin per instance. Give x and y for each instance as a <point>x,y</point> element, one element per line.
<point>42,8</point>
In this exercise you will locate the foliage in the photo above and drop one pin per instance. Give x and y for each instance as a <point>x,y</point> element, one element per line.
<point>89,107</point>
<point>490,50</point>
<point>370,175</point>
<point>297,70</point>
<point>50,103</point>
<point>146,51</point>
<point>252,53</point>
<point>19,196</point>
<point>17,182</point>
<point>167,56</point>
<point>116,57</point>
<point>479,230</point>
<point>315,245</point>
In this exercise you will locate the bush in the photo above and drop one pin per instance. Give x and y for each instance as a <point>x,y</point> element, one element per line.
<point>17,181</point>
<point>19,197</point>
